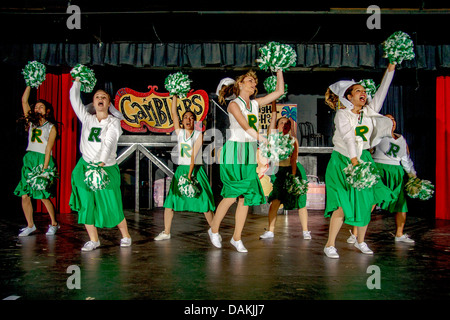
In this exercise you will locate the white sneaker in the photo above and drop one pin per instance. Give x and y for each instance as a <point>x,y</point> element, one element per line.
<point>162,236</point>
<point>267,235</point>
<point>363,247</point>
<point>26,231</point>
<point>331,252</point>
<point>215,238</point>
<point>238,245</point>
<point>307,235</point>
<point>404,238</point>
<point>352,238</point>
<point>125,242</point>
<point>90,245</point>
<point>52,230</point>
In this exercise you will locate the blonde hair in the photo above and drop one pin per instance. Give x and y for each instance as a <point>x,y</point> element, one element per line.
<point>231,89</point>
<point>331,99</point>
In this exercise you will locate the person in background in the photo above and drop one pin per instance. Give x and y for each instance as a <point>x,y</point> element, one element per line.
<point>189,145</point>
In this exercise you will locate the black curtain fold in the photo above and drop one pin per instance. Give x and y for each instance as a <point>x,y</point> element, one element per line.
<point>200,55</point>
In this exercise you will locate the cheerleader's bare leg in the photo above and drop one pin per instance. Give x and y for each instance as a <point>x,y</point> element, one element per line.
<point>336,221</point>
<point>28,210</point>
<point>240,218</point>
<point>221,211</point>
<point>51,210</point>
<point>92,232</point>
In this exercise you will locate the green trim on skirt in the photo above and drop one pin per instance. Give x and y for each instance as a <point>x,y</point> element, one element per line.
<point>102,208</point>
<point>238,173</point>
<point>356,204</point>
<point>32,159</point>
<point>393,176</point>
<point>204,202</point>
<point>278,192</point>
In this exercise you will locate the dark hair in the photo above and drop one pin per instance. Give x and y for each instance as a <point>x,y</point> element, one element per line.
<point>33,117</point>
<point>349,91</point>
<point>189,111</point>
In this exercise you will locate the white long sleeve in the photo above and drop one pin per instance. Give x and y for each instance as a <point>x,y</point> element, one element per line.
<point>98,141</point>
<point>377,102</point>
<point>394,152</point>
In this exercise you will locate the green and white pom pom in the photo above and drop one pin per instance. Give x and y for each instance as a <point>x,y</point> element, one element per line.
<point>276,56</point>
<point>419,189</point>
<point>363,175</point>
<point>188,188</point>
<point>86,75</point>
<point>96,178</point>
<point>278,148</point>
<point>370,87</point>
<point>40,179</point>
<point>398,47</point>
<point>296,186</point>
<point>178,83</point>
<point>34,74</point>
<point>270,84</point>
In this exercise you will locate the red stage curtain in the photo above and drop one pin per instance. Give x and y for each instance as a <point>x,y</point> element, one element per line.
<point>442,147</point>
<point>55,89</point>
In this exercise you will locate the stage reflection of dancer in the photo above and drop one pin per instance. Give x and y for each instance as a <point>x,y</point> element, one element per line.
<point>359,127</point>
<point>279,195</point>
<point>238,156</point>
<point>392,158</point>
<point>42,133</point>
<point>98,145</point>
<point>190,165</point>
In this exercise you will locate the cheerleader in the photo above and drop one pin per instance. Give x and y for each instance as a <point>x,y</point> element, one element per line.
<point>279,195</point>
<point>238,156</point>
<point>42,133</point>
<point>359,127</point>
<point>98,145</point>
<point>392,158</point>
<point>189,143</point>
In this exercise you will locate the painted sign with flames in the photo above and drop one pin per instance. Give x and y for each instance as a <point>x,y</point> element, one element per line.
<point>150,111</point>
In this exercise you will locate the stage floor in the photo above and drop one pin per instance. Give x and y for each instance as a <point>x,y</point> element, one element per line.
<point>188,267</point>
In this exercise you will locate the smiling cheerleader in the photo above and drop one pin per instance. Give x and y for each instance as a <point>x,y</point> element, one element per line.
<point>359,127</point>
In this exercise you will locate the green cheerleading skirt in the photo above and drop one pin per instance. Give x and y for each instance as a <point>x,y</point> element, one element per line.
<point>279,192</point>
<point>101,208</point>
<point>238,173</point>
<point>204,202</point>
<point>31,160</point>
<point>356,204</point>
<point>393,177</point>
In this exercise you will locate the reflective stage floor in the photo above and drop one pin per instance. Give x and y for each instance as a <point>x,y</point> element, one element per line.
<point>188,267</point>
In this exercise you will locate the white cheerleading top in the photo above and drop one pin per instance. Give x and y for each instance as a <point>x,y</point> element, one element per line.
<point>185,147</point>
<point>394,152</point>
<point>38,137</point>
<point>251,114</point>
<point>374,125</point>
<point>98,138</point>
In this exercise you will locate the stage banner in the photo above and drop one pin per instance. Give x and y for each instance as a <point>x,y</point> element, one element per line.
<point>283,110</point>
<point>265,113</point>
<point>150,111</point>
